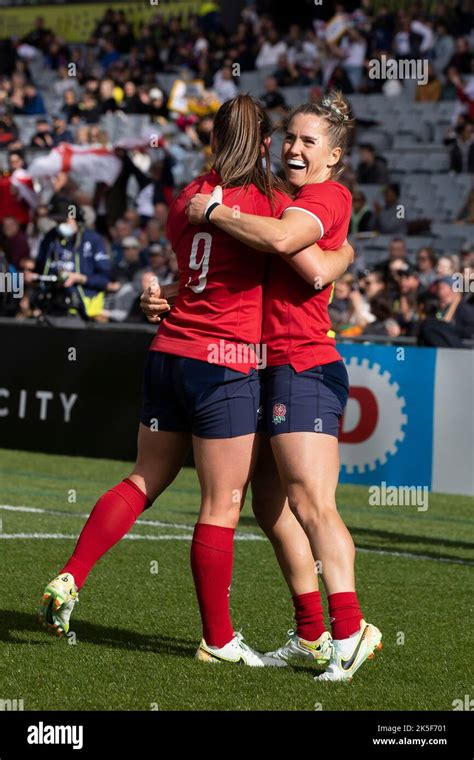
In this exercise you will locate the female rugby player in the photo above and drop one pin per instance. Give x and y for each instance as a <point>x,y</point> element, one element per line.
<point>186,393</point>
<point>306,382</point>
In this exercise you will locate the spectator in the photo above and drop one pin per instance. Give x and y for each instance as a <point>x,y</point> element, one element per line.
<point>158,258</point>
<point>393,271</point>
<point>462,57</point>
<point>372,169</point>
<point>271,48</point>
<point>462,150</point>
<point>447,265</point>
<point>11,203</point>
<point>60,131</point>
<point>42,138</point>
<point>464,92</point>
<point>14,243</point>
<point>224,84</point>
<point>33,102</point>
<point>390,217</point>
<point>443,48</point>
<point>109,55</point>
<point>64,82</point>
<point>383,322</point>
<point>397,249</point>
<point>119,231</point>
<point>83,276</point>
<point>374,284</point>
<point>286,74</point>
<point>127,267</point>
<point>158,104</point>
<point>426,261</point>
<point>362,217</point>
<point>339,80</point>
<point>453,309</point>
<point>70,107</point>
<point>354,47</point>
<point>89,109</point>
<point>348,310</point>
<point>131,102</point>
<point>272,98</point>
<point>8,131</point>
<point>39,36</point>
<point>405,308</point>
<point>107,102</point>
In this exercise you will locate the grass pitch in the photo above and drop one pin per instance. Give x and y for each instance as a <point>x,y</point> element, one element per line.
<point>137,624</point>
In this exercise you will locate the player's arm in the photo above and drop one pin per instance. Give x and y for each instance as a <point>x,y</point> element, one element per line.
<point>319,267</point>
<point>293,232</point>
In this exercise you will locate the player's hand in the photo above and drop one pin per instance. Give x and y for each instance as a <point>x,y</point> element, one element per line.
<point>196,208</point>
<point>152,305</point>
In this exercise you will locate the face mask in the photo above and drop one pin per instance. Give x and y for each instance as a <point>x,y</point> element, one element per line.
<point>65,230</point>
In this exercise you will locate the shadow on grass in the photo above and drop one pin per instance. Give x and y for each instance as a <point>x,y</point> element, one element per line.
<point>390,541</point>
<point>96,634</point>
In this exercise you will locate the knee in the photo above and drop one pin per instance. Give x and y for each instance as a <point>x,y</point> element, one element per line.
<point>221,512</point>
<point>310,505</point>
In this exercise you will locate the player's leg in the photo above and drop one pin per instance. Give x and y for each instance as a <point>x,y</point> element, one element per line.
<point>307,457</point>
<point>273,514</point>
<point>309,466</point>
<point>160,457</point>
<point>293,551</point>
<point>224,449</point>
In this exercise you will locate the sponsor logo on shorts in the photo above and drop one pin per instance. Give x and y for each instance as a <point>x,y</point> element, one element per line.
<point>279,413</point>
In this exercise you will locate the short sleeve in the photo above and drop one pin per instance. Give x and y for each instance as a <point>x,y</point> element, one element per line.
<point>326,202</point>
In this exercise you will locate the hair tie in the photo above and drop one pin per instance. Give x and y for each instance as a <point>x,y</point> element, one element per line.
<point>327,103</point>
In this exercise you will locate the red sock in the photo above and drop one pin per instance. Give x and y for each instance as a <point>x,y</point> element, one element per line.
<point>309,615</point>
<point>212,553</point>
<point>345,614</point>
<point>111,518</point>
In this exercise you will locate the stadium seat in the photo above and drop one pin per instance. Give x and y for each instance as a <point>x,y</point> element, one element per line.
<point>379,138</point>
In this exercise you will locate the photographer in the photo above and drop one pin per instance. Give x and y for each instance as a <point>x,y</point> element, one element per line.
<point>72,269</point>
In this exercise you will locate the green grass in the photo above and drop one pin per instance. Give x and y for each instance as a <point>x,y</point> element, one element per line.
<point>137,631</point>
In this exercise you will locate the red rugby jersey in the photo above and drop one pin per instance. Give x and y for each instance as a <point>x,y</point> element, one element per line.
<point>295,315</point>
<point>217,316</point>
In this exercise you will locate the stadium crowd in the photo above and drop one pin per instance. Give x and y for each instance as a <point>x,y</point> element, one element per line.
<point>130,96</point>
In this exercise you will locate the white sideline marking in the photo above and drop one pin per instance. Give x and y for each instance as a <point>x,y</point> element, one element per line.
<point>129,536</point>
<point>180,526</point>
<point>58,512</point>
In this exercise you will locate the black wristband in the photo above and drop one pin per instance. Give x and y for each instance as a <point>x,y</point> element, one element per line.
<point>211,209</point>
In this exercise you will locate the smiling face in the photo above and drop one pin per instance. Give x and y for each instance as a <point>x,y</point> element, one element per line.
<point>307,156</point>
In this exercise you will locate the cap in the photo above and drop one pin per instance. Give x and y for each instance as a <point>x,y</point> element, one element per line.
<point>448,279</point>
<point>156,248</point>
<point>130,242</point>
<point>62,208</point>
<point>155,93</point>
